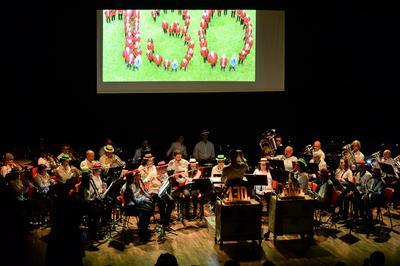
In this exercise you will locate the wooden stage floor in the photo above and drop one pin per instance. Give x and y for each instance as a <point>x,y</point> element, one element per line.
<point>194,245</point>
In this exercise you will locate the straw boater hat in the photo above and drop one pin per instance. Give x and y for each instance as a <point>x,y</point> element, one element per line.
<point>96,165</point>
<point>8,156</point>
<point>193,160</point>
<point>263,160</point>
<point>148,156</point>
<point>162,164</point>
<point>109,148</point>
<point>220,157</point>
<point>205,132</point>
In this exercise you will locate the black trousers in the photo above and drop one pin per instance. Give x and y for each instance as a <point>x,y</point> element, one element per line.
<point>165,206</point>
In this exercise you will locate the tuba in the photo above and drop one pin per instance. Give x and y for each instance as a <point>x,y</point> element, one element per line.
<point>347,152</point>
<point>267,142</point>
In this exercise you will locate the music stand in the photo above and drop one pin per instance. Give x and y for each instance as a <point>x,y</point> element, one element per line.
<point>276,165</point>
<point>312,168</point>
<point>387,169</point>
<point>112,174</point>
<point>203,184</point>
<point>256,180</point>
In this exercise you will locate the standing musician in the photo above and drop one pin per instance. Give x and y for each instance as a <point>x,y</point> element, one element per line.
<point>204,149</point>
<point>93,190</point>
<point>178,145</point>
<point>9,164</point>
<point>217,169</point>
<point>138,201</point>
<point>147,169</point>
<point>65,172</point>
<point>86,165</point>
<point>164,201</point>
<point>193,173</point>
<point>109,159</point>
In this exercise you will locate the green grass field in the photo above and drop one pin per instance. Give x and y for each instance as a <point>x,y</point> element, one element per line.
<point>224,36</point>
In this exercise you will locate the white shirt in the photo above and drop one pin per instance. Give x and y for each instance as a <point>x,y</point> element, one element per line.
<point>147,172</point>
<point>63,174</point>
<point>358,156</point>
<point>86,165</point>
<point>204,150</point>
<point>177,146</point>
<point>321,154</point>
<point>90,194</point>
<point>342,174</point>
<point>6,169</point>
<point>261,189</point>
<point>174,165</point>
<point>216,170</point>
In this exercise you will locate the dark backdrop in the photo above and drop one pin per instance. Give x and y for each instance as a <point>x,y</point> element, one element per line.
<point>340,83</point>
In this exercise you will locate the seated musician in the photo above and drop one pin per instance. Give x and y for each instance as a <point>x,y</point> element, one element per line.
<point>177,162</point>
<point>317,149</point>
<point>93,189</point>
<point>109,159</point>
<point>164,202</point>
<point>65,172</point>
<point>46,159</point>
<point>14,181</point>
<point>138,201</point>
<point>288,158</point>
<point>9,164</point>
<point>375,193</point>
<point>147,168</point>
<point>66,150</point>
<point>358,155</point>
<point>392,181</point>
<point>236,169</point>
<point>300,174</point>
<point>387,158</point>
<point>325,191</point>
<point>345,177</point>
<point>362,177</point>
<point>42,180</point>
<point>317,158</point>
<point>217,169</point>
<point>86,165</point>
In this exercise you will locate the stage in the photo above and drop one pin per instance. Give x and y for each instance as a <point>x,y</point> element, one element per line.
<point>194,244</point>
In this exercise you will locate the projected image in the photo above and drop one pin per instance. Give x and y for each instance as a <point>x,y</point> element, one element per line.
<point>179,45</point>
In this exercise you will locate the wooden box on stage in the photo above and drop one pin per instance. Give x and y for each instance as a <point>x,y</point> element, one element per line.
<point>291,216</point>
<point>236,222</point>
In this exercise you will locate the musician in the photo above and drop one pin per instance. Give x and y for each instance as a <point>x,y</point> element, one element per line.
<point>300,174</point>
<point>14,181</point>
<point>356,146</point>
<point>93,188</point>
<point>66,149</point>
<point>9,164</point>
<point>280,149</point>
<point>86,165</point>
<point>236,169</point>
<point>178,163</point>
<point>42,180</point>
<point>217,169</point>
<point>178,145</point>
<point>263,169</point>
<point>147,168</point>
<point>164,202</point>
<point>46,159</point>
<point>109,159</point>
<point>317,158</point>
<point>375,193</point>
<point>65,172</point>
<point>288,158</point>
<point>138,201</point>
<point>325,191</point>
<point>363,178</point>
<point>204,150</point>
<point>107,141</point>
<point>139,152</point>
<point>317,150</point>
<point>387,158</point>
<point>345,176</point>
<point>193,173</point>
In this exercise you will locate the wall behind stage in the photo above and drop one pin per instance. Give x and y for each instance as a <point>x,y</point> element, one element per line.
<point>338,79</point>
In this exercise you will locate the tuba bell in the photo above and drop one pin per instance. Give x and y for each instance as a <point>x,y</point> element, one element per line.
<point>267,142</point>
